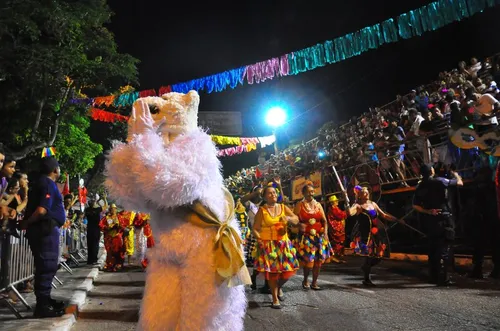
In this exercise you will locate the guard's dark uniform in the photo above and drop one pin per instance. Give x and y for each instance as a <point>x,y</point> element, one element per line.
<point>432,193</point>
<point>43,236</point>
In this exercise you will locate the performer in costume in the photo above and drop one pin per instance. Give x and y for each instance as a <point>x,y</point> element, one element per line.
<point>369,235</point>
<point>275,256</point>
<point>336,231</point>
<point>242,217</point>
<point>127,223</point>
<point>140,240</point>
<point>313,247</point>
<point>251,202</point>
<point>169,169</point>
<point>150,243</point>
<point>113,240</point>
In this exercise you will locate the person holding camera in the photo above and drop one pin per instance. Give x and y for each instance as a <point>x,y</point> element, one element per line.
<point>43,219</point>
<point>431,201</point>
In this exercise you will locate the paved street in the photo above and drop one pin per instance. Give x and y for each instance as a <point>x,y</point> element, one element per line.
<point>401,301</point>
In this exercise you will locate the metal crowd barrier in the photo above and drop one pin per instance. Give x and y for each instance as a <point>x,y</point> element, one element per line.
<point>17,263</point>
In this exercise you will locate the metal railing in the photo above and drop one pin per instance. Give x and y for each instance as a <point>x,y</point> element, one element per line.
<point>17,262</point>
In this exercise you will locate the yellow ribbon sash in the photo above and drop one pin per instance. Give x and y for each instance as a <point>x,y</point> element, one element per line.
<point>229,259</point>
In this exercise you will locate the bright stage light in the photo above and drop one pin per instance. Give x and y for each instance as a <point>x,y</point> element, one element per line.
<point>276,117</point>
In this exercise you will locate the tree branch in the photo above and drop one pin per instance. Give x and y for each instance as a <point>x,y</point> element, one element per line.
<point>30,148</point>
<point>38,119</point>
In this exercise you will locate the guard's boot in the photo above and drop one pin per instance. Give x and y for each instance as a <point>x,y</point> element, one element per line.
<point>47,311</point>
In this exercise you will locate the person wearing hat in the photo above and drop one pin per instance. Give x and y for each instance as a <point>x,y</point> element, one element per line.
<point>336,218</point>
<point>113,240</point>
<point>431,201</point>
<point>43,219</point>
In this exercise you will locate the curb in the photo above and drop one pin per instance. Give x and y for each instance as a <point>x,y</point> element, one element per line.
<point>460,260</point>
<point>78,298</point>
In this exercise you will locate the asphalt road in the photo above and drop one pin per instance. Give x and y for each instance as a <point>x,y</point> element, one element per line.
<point>401,301</point>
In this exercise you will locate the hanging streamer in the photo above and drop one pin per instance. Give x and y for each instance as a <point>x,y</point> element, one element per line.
<point>106,116</point>
<point>407,25</point>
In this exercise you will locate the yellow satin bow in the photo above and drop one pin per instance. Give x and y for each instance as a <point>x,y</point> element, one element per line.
<point>229,259</point>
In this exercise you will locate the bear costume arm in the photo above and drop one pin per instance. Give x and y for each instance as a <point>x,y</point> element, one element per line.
<point>146,171</point>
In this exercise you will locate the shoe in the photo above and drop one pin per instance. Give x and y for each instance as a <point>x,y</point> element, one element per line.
<point>305,286</point>
<point>315,287</point>
<point>47,312</point>
<point>276,306</point>
<point>58,305</point>
<point>281,295</point>
<point>368,283</point>
<point>446,283</point>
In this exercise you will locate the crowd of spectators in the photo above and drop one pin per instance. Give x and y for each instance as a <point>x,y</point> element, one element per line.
<point>401,135</point>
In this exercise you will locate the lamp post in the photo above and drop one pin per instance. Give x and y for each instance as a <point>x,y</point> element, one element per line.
<point>275,118</point>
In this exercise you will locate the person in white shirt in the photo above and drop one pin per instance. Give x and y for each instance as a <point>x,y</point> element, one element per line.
<point>485,108</point>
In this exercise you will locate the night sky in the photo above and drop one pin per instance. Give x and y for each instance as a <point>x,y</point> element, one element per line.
<point>185,40</point>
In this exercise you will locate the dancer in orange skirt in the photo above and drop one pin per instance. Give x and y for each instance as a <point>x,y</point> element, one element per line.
<point>275,256</point>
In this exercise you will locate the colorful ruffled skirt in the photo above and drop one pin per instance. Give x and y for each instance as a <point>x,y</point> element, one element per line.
<point>276,259</point>
<point>370,239</point>
<point>313,250</point>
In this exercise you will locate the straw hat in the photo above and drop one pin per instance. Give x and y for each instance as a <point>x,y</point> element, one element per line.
<point>333,198</point>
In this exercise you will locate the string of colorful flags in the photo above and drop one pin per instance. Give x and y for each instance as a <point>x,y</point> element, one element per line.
<point>245,145</point>
<point>407,25</point>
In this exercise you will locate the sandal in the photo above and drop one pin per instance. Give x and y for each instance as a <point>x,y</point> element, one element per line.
<point>315,287</point>
<point>276,306</point>
<point>305,286</point>
<point>281,295</point>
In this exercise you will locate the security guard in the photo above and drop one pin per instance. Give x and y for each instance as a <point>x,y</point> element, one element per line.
<point>44,217</point>
<point>431,200</point>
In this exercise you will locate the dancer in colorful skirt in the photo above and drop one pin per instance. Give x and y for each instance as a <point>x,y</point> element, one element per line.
<point>275,256</point>
<point>369,236</point>
<point>113,240</point>
<point>313,247</point>
<point>336,230</point>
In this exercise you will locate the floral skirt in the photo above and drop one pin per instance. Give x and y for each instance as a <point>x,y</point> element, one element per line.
<point>276,259</point>
<point>313,249</point>
<point>370,239</point>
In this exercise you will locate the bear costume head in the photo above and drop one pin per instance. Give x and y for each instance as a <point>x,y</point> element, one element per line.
<point>173,114</point>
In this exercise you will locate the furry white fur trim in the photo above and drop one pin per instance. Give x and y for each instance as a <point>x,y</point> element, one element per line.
<point>146,171</point>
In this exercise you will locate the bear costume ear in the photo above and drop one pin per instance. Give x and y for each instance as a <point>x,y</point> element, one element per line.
<point>192,99</point>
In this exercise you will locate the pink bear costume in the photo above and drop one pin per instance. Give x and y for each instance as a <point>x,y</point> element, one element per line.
<point>169,168</point>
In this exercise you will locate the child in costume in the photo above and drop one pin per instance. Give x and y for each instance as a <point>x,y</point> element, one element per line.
<point>336,234</point>
<point>169,168</point>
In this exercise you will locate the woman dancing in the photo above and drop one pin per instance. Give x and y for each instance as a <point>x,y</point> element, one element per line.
<point>313,247</point>
<point>371,241</point>
<point>274,254</point>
